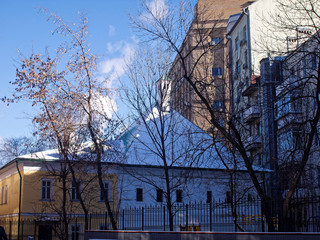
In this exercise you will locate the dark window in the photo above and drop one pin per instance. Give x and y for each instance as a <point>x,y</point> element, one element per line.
<point>244,34</point>
<point>246,61</point>
<point>217,105</point>
<point>209,196</point>
<point>6,195</point>
<point>318,176</point>
<point>313,62</point>
<point>75,231</point>
<point>229,197</point>
<point>159,195</point>
<point>237,67</point>
<point>236,43</point>
<point>74,194</point>
<point>179,195</point>
<point>139,196</point>
<point>216,40</point>
<point>216,71</point>
<point>46,186</point>
<point>107,189</point>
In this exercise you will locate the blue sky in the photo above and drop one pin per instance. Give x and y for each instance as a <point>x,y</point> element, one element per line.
<point>26,30</point>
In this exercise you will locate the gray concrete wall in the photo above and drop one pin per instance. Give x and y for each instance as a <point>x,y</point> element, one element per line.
<point>143,235</point>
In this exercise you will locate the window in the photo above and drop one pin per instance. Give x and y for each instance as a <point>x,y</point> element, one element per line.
<point>139,195</point>
<point>319,177</point>
<point>237,67</point>
<point>284,142</point>
<point>298,140</point>
<point>246,62</point>
<point>75,230</point>
<point>2,194</point>
<point>6,194</point>
<point>228,197</point>
<point>217,105</point>
<point>46,188</point>
<point>179,195</point>
<point>236,43</point>
<point>209,196</point>
<point>318,133</point>
<point>74,195</point>
<point>216,71</point>
<point>159,195</point>
<point>313,62</point>
<point>106,187</point>
<point>244,34</point>
<point>283,106</point>
<point>216,40</point>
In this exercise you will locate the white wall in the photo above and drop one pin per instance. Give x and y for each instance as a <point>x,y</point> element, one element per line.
<point>193,190</point>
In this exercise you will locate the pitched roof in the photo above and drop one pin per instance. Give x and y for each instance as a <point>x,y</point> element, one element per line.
<point>182,144</point>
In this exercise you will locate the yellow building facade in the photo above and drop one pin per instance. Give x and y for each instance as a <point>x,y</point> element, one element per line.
<point>34,194</point>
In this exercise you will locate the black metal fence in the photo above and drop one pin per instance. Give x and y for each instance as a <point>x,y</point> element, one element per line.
<point>195,217</point>
<point>304,214</point>
<point>219,216</point>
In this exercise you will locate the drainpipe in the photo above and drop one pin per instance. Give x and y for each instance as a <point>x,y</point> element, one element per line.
<point>246,12</point>
<point>230,59</point>
<point>19,209</point>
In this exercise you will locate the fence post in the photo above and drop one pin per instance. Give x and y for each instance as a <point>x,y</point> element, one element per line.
<point>142,218</point>
<point>164,218</point>
<point>210,215</point>
<point>186,217</point>
<point>105,220</point>
<point>262,217</point>
<point>22,223</point>
<point>10,230</point>
<point>123,227</point>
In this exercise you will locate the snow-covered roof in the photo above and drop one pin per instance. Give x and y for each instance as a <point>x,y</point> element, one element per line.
<point>163,136</point>
<point>169,136</point>
<point>47,155</point>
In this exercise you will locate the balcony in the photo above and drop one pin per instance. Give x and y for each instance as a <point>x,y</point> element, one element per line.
<point>252,143</point>
<point>290,119</point>
<point>251,86</point>
<point>251,114</point>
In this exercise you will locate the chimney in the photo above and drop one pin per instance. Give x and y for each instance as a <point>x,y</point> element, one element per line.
<point>164,93</point>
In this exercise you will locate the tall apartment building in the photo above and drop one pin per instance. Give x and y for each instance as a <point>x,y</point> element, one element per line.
<point>256,62</point>
<point>253,93</point>
<point>296,108</point>
<point>204,58</point>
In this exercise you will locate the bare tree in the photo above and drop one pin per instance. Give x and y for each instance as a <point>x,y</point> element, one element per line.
<point>10,148</point>
<point>72,103</point>
<point>159,135</point>
<point>189,38</point>
<point>292,32</point>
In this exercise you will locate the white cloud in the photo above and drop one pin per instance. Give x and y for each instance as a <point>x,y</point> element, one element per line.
<point>157,9</point>
<point>115,67</point>
<point>112,30</point>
